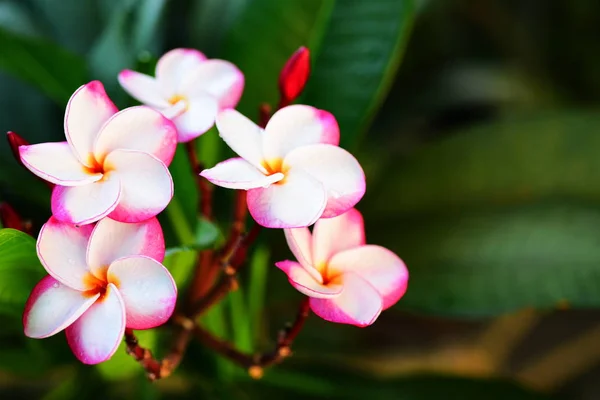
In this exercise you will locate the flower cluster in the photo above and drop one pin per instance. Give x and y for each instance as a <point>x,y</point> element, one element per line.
<point>103,246</point>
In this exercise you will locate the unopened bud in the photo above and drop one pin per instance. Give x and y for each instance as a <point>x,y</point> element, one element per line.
<point>256,372</point>
<point>294,75</point>
<point>9,217</point>
<point>14,141</point>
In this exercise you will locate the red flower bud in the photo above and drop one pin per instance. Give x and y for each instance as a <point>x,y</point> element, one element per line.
<point>14,142</point>
<point>294,75</point>
<point>9,217</point>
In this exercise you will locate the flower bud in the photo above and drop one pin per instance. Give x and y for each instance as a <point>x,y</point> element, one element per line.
<point>14,142</point>
<point>9,217</point>
<point>294,75</point>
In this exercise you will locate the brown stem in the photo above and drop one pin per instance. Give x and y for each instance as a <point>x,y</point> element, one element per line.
<point>255,363</point>
<point>204,187</point>
<point>144,356</point>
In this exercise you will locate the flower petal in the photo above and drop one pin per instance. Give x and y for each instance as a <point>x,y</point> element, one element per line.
<point>308,281</point>
<point>147,288</point>
<point>96,335</point>
<point>299,241</point>
<point>112,240</point>
<point>237,173</point>
<point>52,307</point>
<point>88,203</point>
<point>137,128</point>
<point>198,118</point>
<point>383,269</point>
<point>332,235</point>
<point>174,66</point>
<point>295,202</point>
<point>146,185</point>
<point>242,136</point>
<point>61,248</point>
<point>56,163</point>
<point>88,109</point>
<point>142,87</point>
<point>337,170</point>
<point>296,126</point>
<point>219,78</point>
<point>359,303</point>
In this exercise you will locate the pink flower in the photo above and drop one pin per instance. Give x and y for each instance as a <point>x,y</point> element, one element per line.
<point>188,88</point>
<point>112,164</point>
<point>347,281</point>
<point>293,169</point>
<point>102,280</point>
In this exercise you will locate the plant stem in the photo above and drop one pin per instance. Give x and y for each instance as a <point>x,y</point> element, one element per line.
<point>204,187</point>
<point>255,363</point>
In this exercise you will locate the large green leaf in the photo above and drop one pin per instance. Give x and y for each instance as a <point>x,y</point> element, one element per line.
<point>497,218</point>
<point>20,270</point>
<point>48,67</point>
<point>357,62</point>
<point>264,36</point>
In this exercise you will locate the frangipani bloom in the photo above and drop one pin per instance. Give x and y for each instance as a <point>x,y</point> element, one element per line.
<point>347,281</point>
<point>112,164</point>
<point>188,88</point>
<point>102,280</point>
<point>293,170</point>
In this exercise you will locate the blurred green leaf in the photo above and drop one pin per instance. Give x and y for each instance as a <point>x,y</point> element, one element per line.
<point>354,68</point>
<point>15,17</point>
<point>264,36</point>
<point>182,210</point>
<point>500,217</point>
<point>211,20</point>
<point>180,262</point>
<point>207,234</point>
<point>47,66</point>
<point>20,270</point>
<point>259,272</point>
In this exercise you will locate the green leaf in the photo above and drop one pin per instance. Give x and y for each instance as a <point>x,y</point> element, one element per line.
<point>43,64</point>
<point>259,271</point>
<point>180,262</point>
<point>20,270</point>
<point>264,36</point>
<point>497,218</point>
<point>353,70</point>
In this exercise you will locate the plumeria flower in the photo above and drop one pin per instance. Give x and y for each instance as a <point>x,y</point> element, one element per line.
<point>101,280</point>
<point>112,164</point>
<point>188,88</point>
<point>293,170</point>
<point>347,281</point>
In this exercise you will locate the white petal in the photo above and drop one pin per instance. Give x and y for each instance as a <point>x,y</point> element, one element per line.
<point>146,185</point>
<point>137,128</point>
<point>295,202</point>
<point>219,78</point>
<point>237,173</point>
<point>337,170</point>
<point>176,65</point>
<point>333,235</point>
<point>88,203</point>
<point>198,118</point>
<point>299,241</point>
<point>147,288</point>
<point>242,136</point>
<point>296,126</point>
<point>308,281</point>
<point>112,240</point>
<point>61,248</point>
<point>142,87</point>
<point>56,163</point>
<point>96,335</point>
<point>88,109</point>
<point>52,307</point>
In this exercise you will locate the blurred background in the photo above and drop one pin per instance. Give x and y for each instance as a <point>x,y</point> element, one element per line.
<point>477,124</point>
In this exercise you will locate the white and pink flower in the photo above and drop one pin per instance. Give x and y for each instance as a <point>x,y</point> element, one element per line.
<point>189,89</point>
<point>112,164</point>
<point>293,170</point>
<point>101,280</point>
<point>348,281</point>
